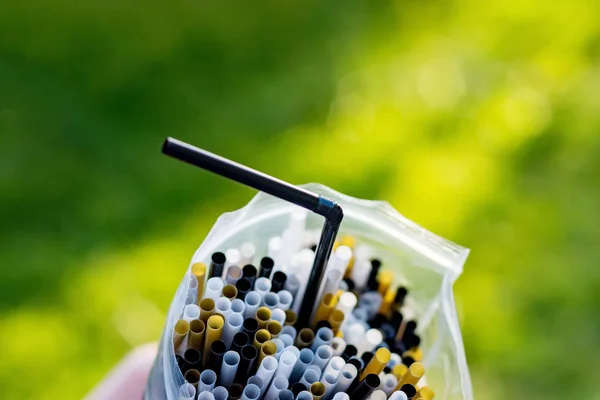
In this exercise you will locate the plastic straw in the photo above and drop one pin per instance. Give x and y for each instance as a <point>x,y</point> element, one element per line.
<point>346,377</point>
<point>233,325</point>
<point>214,288</point>
<point>279,383</point>
<point>187,391</point>
<point>322,356</point>
<point>208,379</point>
<point>287,361</point>
<point>190,312</point>
<point>305,359</point>
<point>251,392</point>
<point>231,361</point>
<point>267,369</point>
<point>220,393</point>
<point>322,337</point>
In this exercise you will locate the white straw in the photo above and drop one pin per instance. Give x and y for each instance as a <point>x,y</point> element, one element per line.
<point>208,379</point>
<point>288,330</point>
<point>286,395</point>
<point>377,395</point>
<point>231,361</point>
<point>346,376</point>
<point>304,395</point>
<point>247,251</point>
<point>287,360</point>
<point>293,349</point>
<point>191,297</point>
<point>334,272</point>
<point>286,339</point>
<point>262,286</point>
<point>347,302</point>
<point>309,377</point>
<point>303,264</point>
<point>278,315</point>
<point>205,396</point>
<point>329,381</point>
<point>233,325</point>
<point>334,366</point>
<point>266,370</point>
<point>252,303</point>
<point>279,383</point>
<point>270,300</point>
<point>388,383</point>
<point>190,312</point>
<point>322,356</point>
<point>341,396</point>
<point>340,258</point>
<point>238,306</point>
<point>214,288</point>
<point>360,273</point>
<point>322,337</point>
<point>338,345</point>
<point>234,273</point>
<point>305,358</point>
<point>285,299</point>
<point>220,393</point>
<point>223,306</point>
<point>292,284</point>
<point>193,284</point>
<point>251,392</point>
<point>398,395</point>
<point>187,391</point>
<point>232,257</point>
<point>255,380</point>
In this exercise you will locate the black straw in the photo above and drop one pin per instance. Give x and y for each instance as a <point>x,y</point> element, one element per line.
<point>327,208</point>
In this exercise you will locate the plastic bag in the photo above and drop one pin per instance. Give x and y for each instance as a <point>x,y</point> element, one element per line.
<point>425,263</point>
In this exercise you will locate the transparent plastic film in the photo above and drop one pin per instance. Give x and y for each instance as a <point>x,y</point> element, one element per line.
<point>423,262</point>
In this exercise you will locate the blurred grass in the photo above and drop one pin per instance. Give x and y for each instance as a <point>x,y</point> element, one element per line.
<point>478,121</point>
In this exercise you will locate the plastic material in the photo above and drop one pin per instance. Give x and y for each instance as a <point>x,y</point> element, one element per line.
<point>426,264</point>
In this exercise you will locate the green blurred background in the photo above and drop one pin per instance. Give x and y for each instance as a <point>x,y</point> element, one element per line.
<point>478,120</point>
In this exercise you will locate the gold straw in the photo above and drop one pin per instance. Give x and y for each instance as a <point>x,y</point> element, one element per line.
<point>377,363</point>
<point>305,338</point>
<point>196,335</point>
<point>263,315</point>
<point>425,393</point>
<point>325,307</point>
<point>199,271</point>
<point>193,376</point>
<point>214,329</point>
<point>388,300</point>
<point>385,279</point>
<point>335,320</point>
<point>317,390</point>
<point>290,317</point>
<point>230,292</point>
<point>274,328</point>
<point>262,336</point>
<point>415,353</point>
<point>182,327</point>
<point>399,370</point>
<point>207,307</point>
<point>412,376</point>
<point>267,349</point>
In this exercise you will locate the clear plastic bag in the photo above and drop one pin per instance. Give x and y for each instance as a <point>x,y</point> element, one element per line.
<point>425,263</point>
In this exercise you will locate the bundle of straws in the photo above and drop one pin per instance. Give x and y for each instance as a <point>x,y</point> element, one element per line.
<point>312,319</point>
<point>238,337</point>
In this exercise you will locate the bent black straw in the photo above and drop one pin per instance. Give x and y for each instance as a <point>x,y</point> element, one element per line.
<point>304,198</point>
